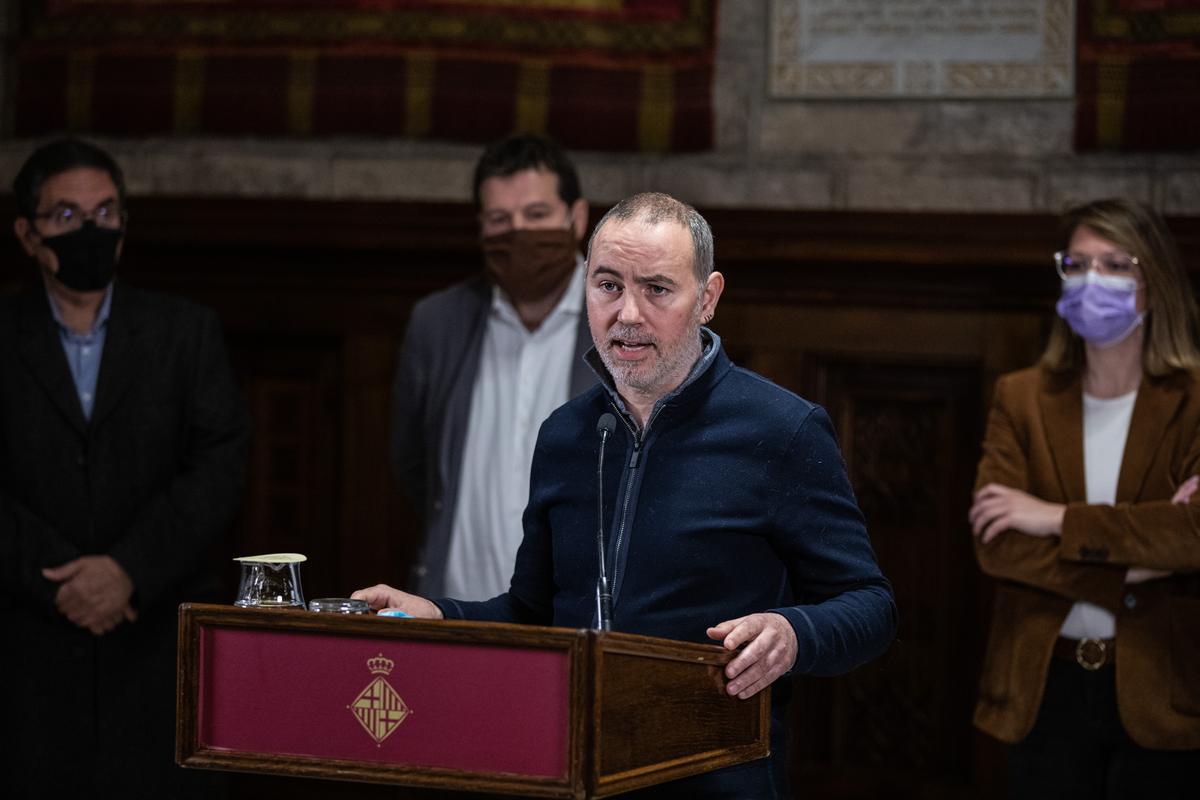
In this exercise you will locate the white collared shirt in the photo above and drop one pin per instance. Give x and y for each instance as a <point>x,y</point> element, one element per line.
<point>523,376</point>
<point>1105,429</point>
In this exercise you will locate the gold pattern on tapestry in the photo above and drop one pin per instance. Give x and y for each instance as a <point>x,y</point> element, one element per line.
<point>81,75</point>
<point>418,94</point>
<point>302,78</point>
<point>656,108</point>
<point>1112,76</point>
<point>189,90</point>
<point>533,95</point>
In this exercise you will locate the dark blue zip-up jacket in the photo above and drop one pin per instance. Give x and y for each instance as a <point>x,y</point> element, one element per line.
<point>733,500</point>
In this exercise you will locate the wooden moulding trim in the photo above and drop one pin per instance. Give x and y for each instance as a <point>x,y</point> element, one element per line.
<point>595,704</point>
<point>582,744</point>
<point>426,630</point>
<point>423,777</point>
<point>635,645</point>
<point>685,767</point>
<point>763,236</point>
<point>741,235</point>
<point>187,677</point>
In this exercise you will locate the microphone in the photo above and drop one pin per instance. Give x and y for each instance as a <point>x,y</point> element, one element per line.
<point>605,426</point>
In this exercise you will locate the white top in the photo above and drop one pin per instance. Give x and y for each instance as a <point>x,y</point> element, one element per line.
<point>523,376</point>
<point>1105,429</point>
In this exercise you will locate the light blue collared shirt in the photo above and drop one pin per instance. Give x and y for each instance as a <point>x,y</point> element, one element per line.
<point>84,350</point>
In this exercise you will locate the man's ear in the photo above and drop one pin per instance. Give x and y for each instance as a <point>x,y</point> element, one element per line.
<point>23,229</point>
<point>579,218</point>
<point>710,295</point>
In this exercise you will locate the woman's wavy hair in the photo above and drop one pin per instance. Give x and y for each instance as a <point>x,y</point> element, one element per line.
<point>1171,324</point>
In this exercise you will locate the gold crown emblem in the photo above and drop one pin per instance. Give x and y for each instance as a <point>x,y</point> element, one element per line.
<point>379,665</point>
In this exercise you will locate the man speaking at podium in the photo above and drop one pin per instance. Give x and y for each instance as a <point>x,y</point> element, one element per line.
<point>727,512</point>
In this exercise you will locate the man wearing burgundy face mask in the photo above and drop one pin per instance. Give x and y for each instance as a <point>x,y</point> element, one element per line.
<point>485,361</point>
<point>122,461</point>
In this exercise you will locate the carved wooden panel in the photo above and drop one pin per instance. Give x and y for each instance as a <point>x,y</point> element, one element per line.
<point>293,392</point>
<point>909,430</point>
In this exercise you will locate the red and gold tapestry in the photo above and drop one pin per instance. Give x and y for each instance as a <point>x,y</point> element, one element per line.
<point>594,74</point>
<point>1138,80</point>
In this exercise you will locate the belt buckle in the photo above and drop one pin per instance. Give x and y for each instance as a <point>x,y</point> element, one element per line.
<point>1091,654</point>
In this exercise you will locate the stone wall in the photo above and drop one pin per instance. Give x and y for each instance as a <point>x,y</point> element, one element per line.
<point>986,156</point>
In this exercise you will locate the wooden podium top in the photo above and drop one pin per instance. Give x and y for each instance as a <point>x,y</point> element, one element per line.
<point>488,707</point>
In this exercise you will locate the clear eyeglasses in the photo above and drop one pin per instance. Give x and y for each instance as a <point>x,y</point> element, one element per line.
<point>67,217</point>
<point>1069,265</point>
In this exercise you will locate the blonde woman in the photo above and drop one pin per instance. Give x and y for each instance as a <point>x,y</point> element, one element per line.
<point>1082,512</point>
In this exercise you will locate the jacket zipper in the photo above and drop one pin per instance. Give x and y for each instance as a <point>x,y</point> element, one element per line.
<point>632,466</point>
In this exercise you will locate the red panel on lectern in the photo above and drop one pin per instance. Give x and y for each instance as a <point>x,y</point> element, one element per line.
<point>424,704</point>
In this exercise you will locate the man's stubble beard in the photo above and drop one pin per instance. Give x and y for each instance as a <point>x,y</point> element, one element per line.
<point>669,362</point>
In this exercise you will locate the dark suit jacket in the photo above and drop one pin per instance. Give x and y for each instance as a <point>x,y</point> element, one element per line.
<point>152,480</point>
<point>1034,442</point>
<point>431,404</point>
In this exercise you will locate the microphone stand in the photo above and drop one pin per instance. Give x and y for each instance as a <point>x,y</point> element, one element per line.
<point>604,427</point>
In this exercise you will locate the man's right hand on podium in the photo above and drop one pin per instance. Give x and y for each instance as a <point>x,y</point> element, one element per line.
<point>382,597</point>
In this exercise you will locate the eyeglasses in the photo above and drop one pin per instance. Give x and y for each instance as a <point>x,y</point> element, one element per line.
<point>1069,265</point>
<point>66,217</point>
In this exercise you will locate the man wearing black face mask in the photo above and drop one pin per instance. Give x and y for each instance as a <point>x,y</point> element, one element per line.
<point>122,460</point>
<point>485,361</point>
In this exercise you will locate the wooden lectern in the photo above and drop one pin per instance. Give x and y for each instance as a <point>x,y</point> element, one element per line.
<point>512,709</point>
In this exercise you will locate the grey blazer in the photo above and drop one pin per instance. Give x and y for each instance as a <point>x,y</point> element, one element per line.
<point>431,403</point>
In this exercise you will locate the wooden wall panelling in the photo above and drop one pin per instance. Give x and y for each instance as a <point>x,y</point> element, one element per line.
<point>293,391</point>
<point>373,548</point>
<point>909,432</point>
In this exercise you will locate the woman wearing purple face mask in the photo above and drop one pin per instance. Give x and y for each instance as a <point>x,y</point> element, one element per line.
<point>1084,514</point>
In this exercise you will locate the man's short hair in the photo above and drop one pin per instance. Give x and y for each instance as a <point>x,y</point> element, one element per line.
<point>55,158</point>
<point>527,151</point>
<point>655,208</point>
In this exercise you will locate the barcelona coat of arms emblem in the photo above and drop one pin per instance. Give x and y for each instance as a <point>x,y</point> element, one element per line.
<point>378,707</point>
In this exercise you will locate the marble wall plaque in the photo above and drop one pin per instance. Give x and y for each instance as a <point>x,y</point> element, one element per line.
<point>922,48</point>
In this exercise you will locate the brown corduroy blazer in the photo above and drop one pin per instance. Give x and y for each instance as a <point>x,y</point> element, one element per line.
<point>1034,442</point>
